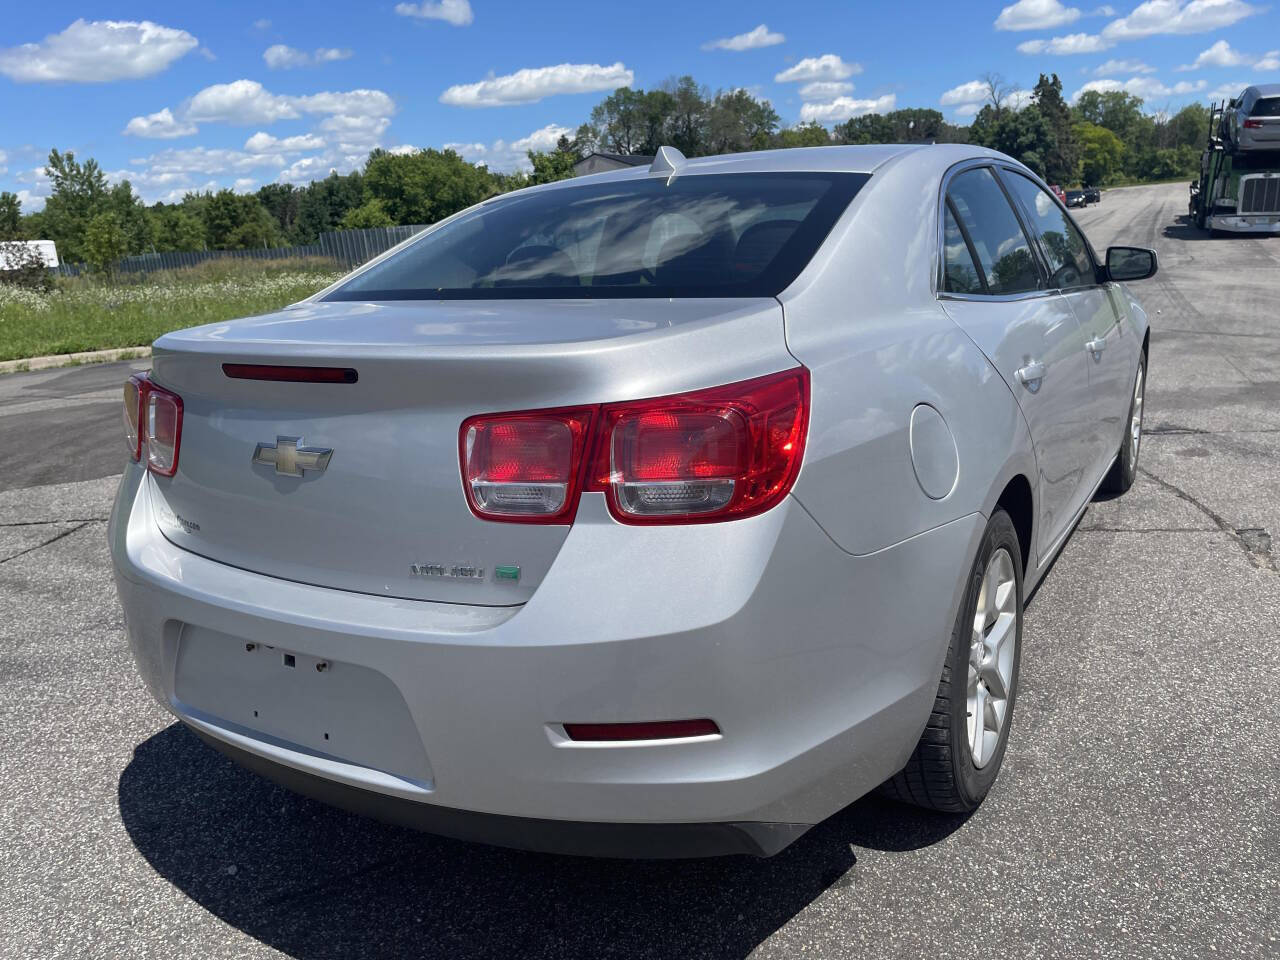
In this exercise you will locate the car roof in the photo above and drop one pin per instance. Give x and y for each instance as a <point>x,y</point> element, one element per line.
<point>1263,90</point>
<point>933,159</point>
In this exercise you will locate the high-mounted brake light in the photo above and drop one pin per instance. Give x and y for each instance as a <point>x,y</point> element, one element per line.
<point>289,374</point>
<point>716,454</point>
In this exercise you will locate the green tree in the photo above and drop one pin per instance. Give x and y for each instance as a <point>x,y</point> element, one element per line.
<point>738,121</point>
<point>425,186</point>
<point>323,203</point>
<point>549,167</point>
<point>1061,156</point>
<point>804,135</point>
<point>79,190</point>
<point>687,120</point>
<point>620,121</point>
<point>174,227</point>
<point>1101,153</point>
<point>281,201</point>
<point>371,213</point>
<point>105,241</point>
<point>10,217</point>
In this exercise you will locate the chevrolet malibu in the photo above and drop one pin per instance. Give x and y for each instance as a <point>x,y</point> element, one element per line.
<point>661,513</point>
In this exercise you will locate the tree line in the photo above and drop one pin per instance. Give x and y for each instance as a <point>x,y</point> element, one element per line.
<point>1104,137</point>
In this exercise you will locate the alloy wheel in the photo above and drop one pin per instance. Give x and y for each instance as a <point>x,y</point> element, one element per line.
<point>1135,416</point>
<point>991,656</point>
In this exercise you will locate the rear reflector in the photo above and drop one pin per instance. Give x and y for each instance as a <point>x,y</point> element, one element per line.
<point>657,730</point>
<point>286,374</point>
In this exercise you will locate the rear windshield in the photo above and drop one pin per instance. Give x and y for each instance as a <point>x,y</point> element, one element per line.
<point>710,235</point>
<point>1270,107</point>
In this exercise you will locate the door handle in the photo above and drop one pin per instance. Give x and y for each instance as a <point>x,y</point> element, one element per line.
<point>1031,376</point>
<point>1096,345</point>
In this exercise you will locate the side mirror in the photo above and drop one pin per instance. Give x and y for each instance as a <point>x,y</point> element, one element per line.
<point>1131,263</point>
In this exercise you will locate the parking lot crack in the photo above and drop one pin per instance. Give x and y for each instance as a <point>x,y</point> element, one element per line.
<point>44,543</point>
<point>44,523</point>
<point>1254,541</point>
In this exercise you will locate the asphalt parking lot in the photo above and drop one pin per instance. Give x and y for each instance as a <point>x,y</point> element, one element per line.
<point>1138,813</point>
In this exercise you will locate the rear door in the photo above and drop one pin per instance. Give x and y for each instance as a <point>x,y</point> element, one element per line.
<point>1110,347</point>
<point>994,286</point>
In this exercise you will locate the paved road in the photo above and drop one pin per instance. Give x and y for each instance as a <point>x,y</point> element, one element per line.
<point>1137,815</point>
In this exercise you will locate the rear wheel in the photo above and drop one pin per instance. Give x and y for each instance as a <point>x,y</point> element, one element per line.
<point>963,744</point>
<point>1125,470</point>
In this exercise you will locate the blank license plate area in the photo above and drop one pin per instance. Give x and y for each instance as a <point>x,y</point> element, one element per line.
<point>343,710</point>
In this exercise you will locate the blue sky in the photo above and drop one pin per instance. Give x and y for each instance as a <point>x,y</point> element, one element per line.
<point>179,97</point>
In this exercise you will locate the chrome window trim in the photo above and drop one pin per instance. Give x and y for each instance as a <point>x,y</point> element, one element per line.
<point>940,256</point>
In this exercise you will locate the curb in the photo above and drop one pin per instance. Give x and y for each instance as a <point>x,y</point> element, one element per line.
<point>73,359</point>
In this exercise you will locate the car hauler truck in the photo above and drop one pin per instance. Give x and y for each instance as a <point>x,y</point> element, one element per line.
<point>1239,186</point>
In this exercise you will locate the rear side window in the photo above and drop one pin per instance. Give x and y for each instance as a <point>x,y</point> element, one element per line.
<point>1269,107</point>
<point>961,273</point>
<point>710,235</point>
<point>1003,252</point>
<point>1062,244</point>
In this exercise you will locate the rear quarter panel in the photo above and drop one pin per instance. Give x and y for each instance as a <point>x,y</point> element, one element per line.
<point>865,319</point>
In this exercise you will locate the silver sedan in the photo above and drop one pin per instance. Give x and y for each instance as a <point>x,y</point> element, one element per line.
<point>662,512</point>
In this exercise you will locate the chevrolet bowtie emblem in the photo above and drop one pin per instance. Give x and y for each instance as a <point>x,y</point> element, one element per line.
<point>290,458</point>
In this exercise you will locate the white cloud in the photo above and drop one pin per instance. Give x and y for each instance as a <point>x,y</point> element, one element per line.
<point>826,67</point>
<point>241,102</point>
<point>1179,16</point>
<point>262,142</point>
<point>825,89</point>
<point>842,108</point>
<point>403,149</point>
<point>1072,43</point>
<point>3,158</point>
<point>1036,15</point>
<point>282,57</point>
<point>1122,66</point>
<point>207,160</point>
<point>1148,88</point>
<point>456,12</point>
<point>248,103</point>
<point>161,125</point>
<point>355,134</point>
<point>1222,55</point>
<point>263,24</point>
<point>244,185</point>
<point>975,91</point>
<point>969,98</point>
<point>1225,91</point>
<point>761,36</point>
<point>97,51</point>
<point>31,201</point>
<point>1106,10</point>
<point>532,84</point>
<point>505,156</point>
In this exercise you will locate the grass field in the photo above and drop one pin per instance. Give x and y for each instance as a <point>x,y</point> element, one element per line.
<point>85,313</point>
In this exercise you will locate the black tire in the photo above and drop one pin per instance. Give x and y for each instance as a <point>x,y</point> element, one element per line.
<point>941,774</point>
<point>1125,470</point>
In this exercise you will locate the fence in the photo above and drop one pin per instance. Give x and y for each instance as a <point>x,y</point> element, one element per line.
<point>350,248</point>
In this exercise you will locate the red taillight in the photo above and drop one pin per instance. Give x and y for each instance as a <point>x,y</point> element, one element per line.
<point>152,417</point>
<point>525,467</point>
<point>164,430</point>
<point>711,455</point>
<point>716,454</point>
<point>657,730</point>
<point>1253,124</point>
<point>134,398</point>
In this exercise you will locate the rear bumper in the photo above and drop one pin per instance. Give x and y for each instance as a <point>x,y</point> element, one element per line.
<point>1249,223</point>
<point>819,667</point>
